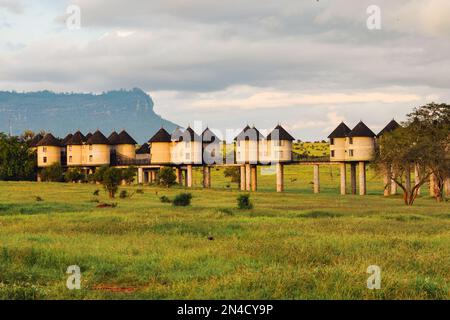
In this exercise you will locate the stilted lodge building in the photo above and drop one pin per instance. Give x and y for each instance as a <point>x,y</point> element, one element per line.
<point>49,151</point>
<point>360,144</point>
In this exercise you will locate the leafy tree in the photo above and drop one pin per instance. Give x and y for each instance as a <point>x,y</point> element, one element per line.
<point>129,174</point>
<point>234,173</point>
<point>111,178</point>
<point>99,173</point>
<point>17,161</point>
<point>423,142</point>
<point>167,177</point>
<point>53,173</point>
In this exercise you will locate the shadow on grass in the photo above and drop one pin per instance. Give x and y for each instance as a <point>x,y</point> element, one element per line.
<point>35,208</point>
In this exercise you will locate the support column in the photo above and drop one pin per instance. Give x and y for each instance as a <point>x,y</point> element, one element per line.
<point>185,178</point>
<point>316,178</point>
<point>242,177</point>
<point>353,177</point>
<point>280,177</point>
<point>393,183</point>
<point>248,177</point>
<point>254,175</point>
<point>140,175</point>
<point>447,187</point>
<point>189,176</point>
<point>417,178</point>
<point>206,177</point>
<point>39,177</point>
<point>387,181</point>
<point>362,179</point>
<point>432,185</point>
<point>343,175</point>
<point>179,174</point>
<point>145,175</point>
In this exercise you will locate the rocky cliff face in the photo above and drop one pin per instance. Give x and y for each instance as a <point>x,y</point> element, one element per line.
<point>61,113</point>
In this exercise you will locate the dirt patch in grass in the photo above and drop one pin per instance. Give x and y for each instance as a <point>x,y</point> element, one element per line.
<point>115,289</point>
<point>319,214</point>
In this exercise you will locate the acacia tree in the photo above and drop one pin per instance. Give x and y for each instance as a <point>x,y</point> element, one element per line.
<point>17,162</point>
<point>423,142</point>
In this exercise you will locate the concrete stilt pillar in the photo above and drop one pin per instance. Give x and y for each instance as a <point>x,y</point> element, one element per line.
<point>248,177</point>
<point>280,177</point>
<point>343,177</point>
<point>206,177</point>
<point>179,174</point>
<point>362,179</point>
<point>387,181</point>
<point>417,178</point>
<point>185,178</point>
<point>353,177</point>
<point>189,176</point>
<point>432,185</point>
<point>254,175</point>
<point>39,177</point>
<point>393,183</point>
<point>140,175</point>
<point>242,178</point>
<point>447,187</point>
<point>316,178</point>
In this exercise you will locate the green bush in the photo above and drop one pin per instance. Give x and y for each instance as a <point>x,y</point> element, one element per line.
<point>165,199</point>
<point>182,200</point>
<point>96,192</point>
<point>234,173</point>
<point>244,202</point>
<point>123,194</point>
<point>53,173</point>
<point>74,175</point>
<point>167,177</point>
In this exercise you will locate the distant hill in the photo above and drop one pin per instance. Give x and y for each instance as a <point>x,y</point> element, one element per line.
<point>61,113</point>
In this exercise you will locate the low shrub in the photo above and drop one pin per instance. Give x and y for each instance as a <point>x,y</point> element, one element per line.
<point>244,202</point>
<point>96,192</point>
<point>123,194</point>
<point>39,199</point>
<point>182,200</point>
<point>165,199</point>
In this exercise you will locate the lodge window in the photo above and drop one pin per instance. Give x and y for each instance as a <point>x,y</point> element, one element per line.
<point>90,147</point>
<point>332,153</point>
<point>70,148</point>
<point>70,158</point>
<point>280,154</point>
<point>90,158</point>
<point>44,149</point>
<point>350,140</point>
<point>351,153</point>
<point>332,141</point>
<point>44,160</point>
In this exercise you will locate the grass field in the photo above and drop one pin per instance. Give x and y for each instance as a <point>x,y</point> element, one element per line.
<point>295,245</point>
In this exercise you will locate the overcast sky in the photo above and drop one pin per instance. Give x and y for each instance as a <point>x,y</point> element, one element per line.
<point>306,64</point>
